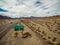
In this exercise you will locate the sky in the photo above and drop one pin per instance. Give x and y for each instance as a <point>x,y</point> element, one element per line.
<point>27,8</point>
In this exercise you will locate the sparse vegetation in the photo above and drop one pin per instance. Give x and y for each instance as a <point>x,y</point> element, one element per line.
<point>48,29</point>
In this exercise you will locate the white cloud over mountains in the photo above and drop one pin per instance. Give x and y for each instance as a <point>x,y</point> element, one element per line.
<point>27,8</point>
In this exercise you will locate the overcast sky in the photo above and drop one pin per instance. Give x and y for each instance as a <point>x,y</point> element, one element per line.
<point>27,8</point>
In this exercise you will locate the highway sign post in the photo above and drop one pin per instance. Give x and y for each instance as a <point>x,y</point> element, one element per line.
<point>16,27</point>
<point>19,27</point>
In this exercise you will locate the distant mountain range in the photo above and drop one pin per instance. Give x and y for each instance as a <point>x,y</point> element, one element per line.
<point>5,17</point>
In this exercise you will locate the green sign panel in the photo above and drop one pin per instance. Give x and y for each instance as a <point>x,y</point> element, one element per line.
<point>19,27</point>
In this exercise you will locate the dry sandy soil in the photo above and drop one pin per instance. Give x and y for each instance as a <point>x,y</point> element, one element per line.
<point>44,31</point>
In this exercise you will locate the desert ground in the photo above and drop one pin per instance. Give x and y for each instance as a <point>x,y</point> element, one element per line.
<point>43,31</point>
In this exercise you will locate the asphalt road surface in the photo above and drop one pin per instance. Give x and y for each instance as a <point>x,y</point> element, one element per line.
<point>6,28</point>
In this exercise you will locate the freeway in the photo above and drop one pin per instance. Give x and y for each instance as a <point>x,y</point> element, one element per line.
<point>11,40</point>
<point>7,28</point>
<point>33,28</point>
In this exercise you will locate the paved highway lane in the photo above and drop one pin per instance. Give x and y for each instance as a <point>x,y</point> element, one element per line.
<point>7,28</point>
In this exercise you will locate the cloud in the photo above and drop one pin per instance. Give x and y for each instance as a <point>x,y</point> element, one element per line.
<point>27,8</point>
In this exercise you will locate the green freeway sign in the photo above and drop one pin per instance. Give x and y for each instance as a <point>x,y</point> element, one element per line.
<point>19,27</point>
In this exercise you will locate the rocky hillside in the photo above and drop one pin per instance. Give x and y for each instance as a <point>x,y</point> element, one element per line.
<point>4,17</point>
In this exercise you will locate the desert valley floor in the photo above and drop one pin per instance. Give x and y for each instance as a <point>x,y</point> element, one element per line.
<point>43,31</point>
